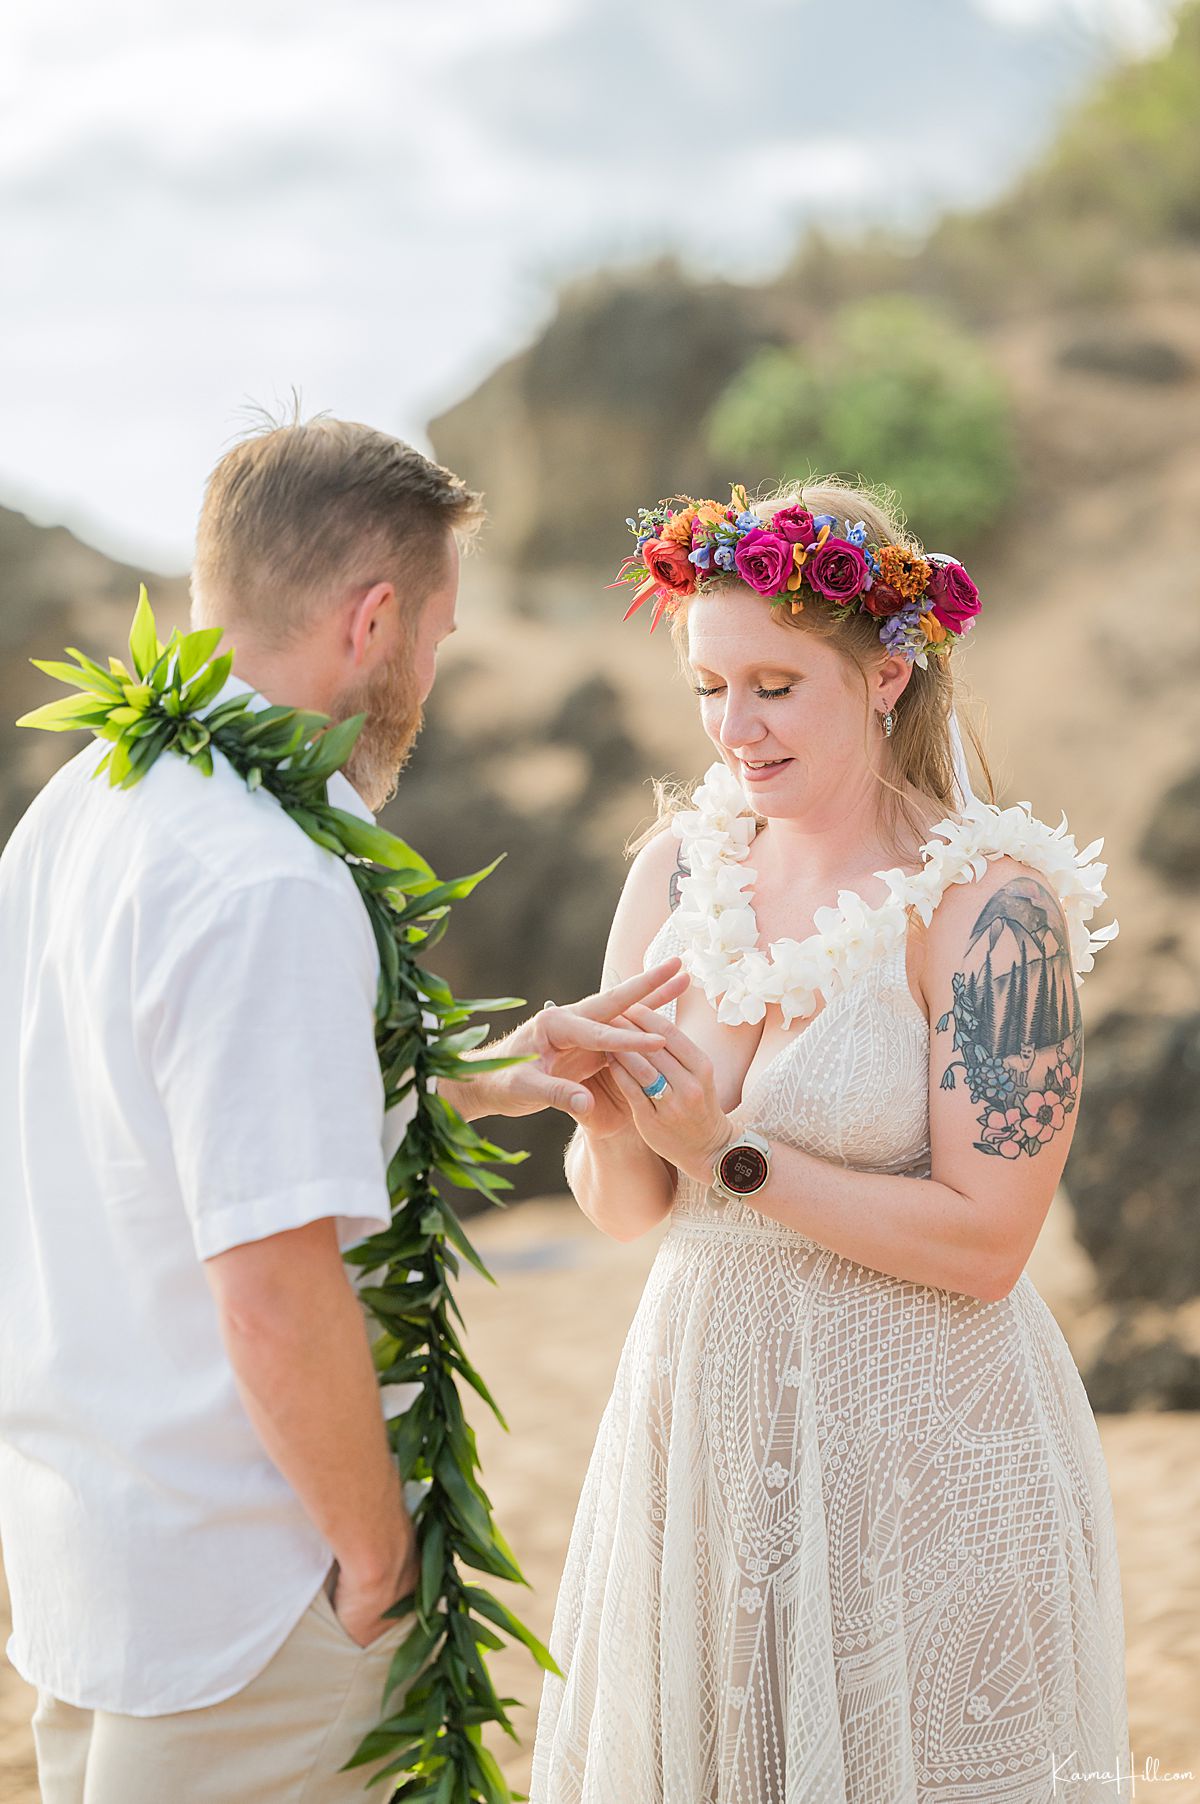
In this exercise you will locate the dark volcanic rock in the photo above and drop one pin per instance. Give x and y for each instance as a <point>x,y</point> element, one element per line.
<point>605,413</point>
<point>56,591</point>
<point>1133,359</point>
<point>1142,1367</point>
<point>592,718</point>
<point>1170,843</point>
<point>1133,1170</point>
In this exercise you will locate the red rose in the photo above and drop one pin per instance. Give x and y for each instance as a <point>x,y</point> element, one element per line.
<point>763,560</point>
<point>955,597</point>
<point>795,524</point>
<point>882,600</point>
<point>838,570</point>
<point>668,565</point>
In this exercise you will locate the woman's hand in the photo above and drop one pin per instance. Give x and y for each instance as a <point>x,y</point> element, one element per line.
<point>609,1114</point>
<point>686,1125</point>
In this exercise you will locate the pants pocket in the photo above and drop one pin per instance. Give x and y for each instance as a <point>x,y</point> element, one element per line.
<point>323,1603</point>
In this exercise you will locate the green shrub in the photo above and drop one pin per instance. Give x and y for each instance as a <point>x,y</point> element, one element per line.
<point>900,395</point>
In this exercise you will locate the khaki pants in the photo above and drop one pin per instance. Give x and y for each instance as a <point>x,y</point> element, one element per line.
<point>280,1740</point>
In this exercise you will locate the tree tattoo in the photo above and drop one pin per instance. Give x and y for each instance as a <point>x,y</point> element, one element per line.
<point>1017,1026</point>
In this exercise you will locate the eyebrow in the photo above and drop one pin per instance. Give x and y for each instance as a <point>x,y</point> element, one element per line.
<point>758,670</point>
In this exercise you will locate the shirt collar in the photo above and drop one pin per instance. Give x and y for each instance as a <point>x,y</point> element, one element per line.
<point>342,793</point>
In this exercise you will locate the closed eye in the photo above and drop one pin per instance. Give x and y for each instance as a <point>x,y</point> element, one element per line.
<point>767,694</point>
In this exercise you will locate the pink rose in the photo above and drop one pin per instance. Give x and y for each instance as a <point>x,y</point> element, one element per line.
<point>668,565</point>
<point>955,597</point>
<point>763,560</point>
<point>795,524</point>
<point>839,570</point>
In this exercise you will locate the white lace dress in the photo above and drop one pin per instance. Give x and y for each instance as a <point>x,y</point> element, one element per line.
<point>844,1538</point>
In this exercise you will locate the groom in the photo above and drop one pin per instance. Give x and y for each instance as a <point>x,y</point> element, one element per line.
<point>202,1523</point>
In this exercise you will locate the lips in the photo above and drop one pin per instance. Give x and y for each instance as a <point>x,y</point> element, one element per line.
<point>762,773</point>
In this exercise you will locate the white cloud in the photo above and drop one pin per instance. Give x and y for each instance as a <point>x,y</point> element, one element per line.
<point>222,198</point>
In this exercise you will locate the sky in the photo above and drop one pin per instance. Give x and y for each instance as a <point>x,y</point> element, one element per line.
<point>207,205</point>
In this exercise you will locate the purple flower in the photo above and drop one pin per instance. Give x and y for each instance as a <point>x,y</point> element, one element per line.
<point>764,561</point>
<point>904,633</point>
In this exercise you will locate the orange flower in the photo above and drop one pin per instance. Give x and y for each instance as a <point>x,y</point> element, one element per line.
<point>709,513</point>
<point>903,570</point>
<point>932,627</point>
<point>799,558</point>
<point>678,528</point>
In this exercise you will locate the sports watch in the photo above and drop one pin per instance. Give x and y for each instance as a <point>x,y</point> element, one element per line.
<point>743,1168</point>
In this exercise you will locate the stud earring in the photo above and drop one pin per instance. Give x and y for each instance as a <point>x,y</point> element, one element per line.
<point>889,721</point>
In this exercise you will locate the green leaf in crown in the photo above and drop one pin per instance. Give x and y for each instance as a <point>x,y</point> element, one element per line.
<point>431,1740</point>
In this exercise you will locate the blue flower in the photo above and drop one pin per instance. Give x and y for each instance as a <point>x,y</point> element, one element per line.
<point>723,557</point>
<point>856,534</point>
<point>820,520</point>
<point>644,540</point>
<point>748,521</point>
<point>701,557</point>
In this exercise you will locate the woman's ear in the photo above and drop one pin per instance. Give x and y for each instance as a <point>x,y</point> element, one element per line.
<point>892,678</point>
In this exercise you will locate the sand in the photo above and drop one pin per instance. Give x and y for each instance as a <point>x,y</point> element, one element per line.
<point>547,1338</point>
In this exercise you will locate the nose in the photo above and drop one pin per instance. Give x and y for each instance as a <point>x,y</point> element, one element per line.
<point>741,723</point>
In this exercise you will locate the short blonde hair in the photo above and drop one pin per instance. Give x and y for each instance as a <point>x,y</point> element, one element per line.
<point>295,513</point>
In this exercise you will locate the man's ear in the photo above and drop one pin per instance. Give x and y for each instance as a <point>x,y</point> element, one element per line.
<point>367,617</point>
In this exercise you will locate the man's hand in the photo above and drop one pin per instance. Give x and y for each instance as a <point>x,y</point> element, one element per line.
<point>569,1046</point>
<point>359,1600</point>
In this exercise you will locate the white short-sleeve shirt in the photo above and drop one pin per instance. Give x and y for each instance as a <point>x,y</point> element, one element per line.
<point>187,1063</point>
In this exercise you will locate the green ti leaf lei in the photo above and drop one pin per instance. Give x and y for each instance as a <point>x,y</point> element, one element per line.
<point>432,1740</point>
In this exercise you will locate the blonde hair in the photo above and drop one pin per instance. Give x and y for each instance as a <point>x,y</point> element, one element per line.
<point>295,512</point>
<point>919,751</point>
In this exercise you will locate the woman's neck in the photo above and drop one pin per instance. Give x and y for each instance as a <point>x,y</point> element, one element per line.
<point>827,851</point>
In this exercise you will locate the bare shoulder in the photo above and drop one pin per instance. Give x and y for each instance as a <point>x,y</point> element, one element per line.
<point>1006,885</point>
<point>1007,905</point>
<point>650,894</point>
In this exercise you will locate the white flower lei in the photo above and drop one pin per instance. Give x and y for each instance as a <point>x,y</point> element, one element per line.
<point>717,924</point>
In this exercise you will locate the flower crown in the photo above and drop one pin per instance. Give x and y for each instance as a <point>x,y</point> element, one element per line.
<point>923,601</point>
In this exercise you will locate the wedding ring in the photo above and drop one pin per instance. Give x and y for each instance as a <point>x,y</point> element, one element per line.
<point>656,1088</point>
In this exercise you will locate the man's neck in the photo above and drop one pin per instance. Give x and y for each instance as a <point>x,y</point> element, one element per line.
<point>288,682</point>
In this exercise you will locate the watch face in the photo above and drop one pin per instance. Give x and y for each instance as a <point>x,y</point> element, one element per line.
<point>743,1169</point>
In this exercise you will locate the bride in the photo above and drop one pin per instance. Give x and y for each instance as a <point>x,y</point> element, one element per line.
<point>846,1536</point>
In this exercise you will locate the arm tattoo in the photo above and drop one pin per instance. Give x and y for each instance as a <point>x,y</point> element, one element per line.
<point>677,876</point>
<point>1017,1026</point>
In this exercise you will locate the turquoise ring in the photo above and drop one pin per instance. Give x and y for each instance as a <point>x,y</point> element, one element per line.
<point>656,1088</point>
